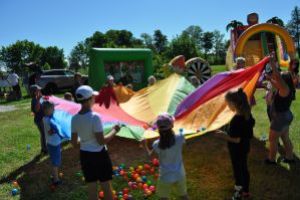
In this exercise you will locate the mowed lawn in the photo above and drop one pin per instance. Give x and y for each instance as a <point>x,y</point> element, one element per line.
<point>209,174</point>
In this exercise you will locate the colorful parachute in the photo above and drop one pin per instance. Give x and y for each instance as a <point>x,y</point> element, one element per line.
<point>196,111</point>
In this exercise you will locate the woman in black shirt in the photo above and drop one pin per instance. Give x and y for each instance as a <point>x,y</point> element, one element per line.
<point>239,135</point>
<point>281,115</point>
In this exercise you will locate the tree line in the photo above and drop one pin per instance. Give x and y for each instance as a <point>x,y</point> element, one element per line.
<point>191,42</point>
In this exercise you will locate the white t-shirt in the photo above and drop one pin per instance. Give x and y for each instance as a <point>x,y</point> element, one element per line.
<point>171,167</point>
<point>13,79</point>
<point>86,125</point>
<point>51,136</point>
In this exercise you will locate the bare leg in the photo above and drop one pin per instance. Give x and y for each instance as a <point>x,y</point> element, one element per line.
<point>288,146</point>
<point>107,189</point>
<point>92,191</point>
<point>273,139</point>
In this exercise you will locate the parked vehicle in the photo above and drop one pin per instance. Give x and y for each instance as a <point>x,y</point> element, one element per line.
<point>54,80</point>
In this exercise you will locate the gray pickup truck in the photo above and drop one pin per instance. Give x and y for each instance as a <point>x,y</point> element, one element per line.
<point>54,80</point>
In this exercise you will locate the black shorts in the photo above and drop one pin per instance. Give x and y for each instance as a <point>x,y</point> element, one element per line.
<point>96,166</point>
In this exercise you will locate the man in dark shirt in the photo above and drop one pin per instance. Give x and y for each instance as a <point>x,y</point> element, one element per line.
<point>36,108</point>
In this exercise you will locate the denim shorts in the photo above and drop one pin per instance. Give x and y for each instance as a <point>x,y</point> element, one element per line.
<point>55,154</point>
<point>281,121</point>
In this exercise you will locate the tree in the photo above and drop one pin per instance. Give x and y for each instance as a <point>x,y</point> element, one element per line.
<point>54,57</point>
<point>79,56</point>
<point>293,27</point>
<point>219,47</point>
<point>160,41</point>
<point>46,66</point>
<point>182,45</point>
<point>147,40</point>
<point>276,20</point>
<point>233,24</point>
<point>207,42</point>
<point>195,33</point>
<point>98,39</point>
<point>16,55</point>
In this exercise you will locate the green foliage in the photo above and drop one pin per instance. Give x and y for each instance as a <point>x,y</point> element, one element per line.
<point>233,24</point>
<point>16,55</point>
<point>160,41</point>
<point>276,20</point>
<point>182,45</point>
<point>195,33</point>
<point>293,27</point>
<point>207,42</point>
<point>54,57</point>
<point>46,66</point>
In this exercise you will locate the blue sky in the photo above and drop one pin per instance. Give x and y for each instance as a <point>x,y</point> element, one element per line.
<point>66,22</point>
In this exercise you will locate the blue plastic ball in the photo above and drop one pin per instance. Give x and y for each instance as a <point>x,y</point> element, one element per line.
<point>14,192</point>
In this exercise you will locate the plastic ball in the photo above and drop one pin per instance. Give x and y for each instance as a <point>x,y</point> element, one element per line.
<point>14,192</point>
<point>149,182</point>
<point>122,172</point>
<point>140,167</point>
<point>139,180</point>
<point>134,186</point>
<point>147,167</point>
<point>126,196</point>
<point>101,194</point>
<point>135,176</point>
<point>131,169</point>
<point>122,165</point>
<point>115,168</point>
<point>152,170</point>
<point>130,184</point>
<point>181,130</point>
<point>140,185</point>
<point>145,186</point>
<point>148,192</point>
<point>155,162</point>
<point>120,196</point>
<point>83,179</point>
<point>152,188</point>
<point>125,191</point>
<point>144,178</point>
<point>156,176</point>
<point>114,192</point>
<point>15,183</point>
<point>61,174</point>
<point>143,173</point>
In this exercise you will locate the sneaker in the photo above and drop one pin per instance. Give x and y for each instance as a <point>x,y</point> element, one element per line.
<point>270,162</point>
<point>236,195</point>
<point>237,192</point>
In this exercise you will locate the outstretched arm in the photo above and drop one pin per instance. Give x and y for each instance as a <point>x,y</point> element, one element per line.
<point>224,136</point>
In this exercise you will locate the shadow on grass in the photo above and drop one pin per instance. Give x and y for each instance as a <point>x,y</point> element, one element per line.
<point>34,177</point>
<point>207,165</point>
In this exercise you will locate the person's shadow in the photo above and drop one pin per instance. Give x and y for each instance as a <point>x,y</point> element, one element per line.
<point>207,164</point>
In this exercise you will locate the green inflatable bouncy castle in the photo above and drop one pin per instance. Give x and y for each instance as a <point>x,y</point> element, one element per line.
<point>121,64</point>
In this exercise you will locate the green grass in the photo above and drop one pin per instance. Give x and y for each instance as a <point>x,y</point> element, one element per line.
<point>209,174</point>
<point>218,68</point>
